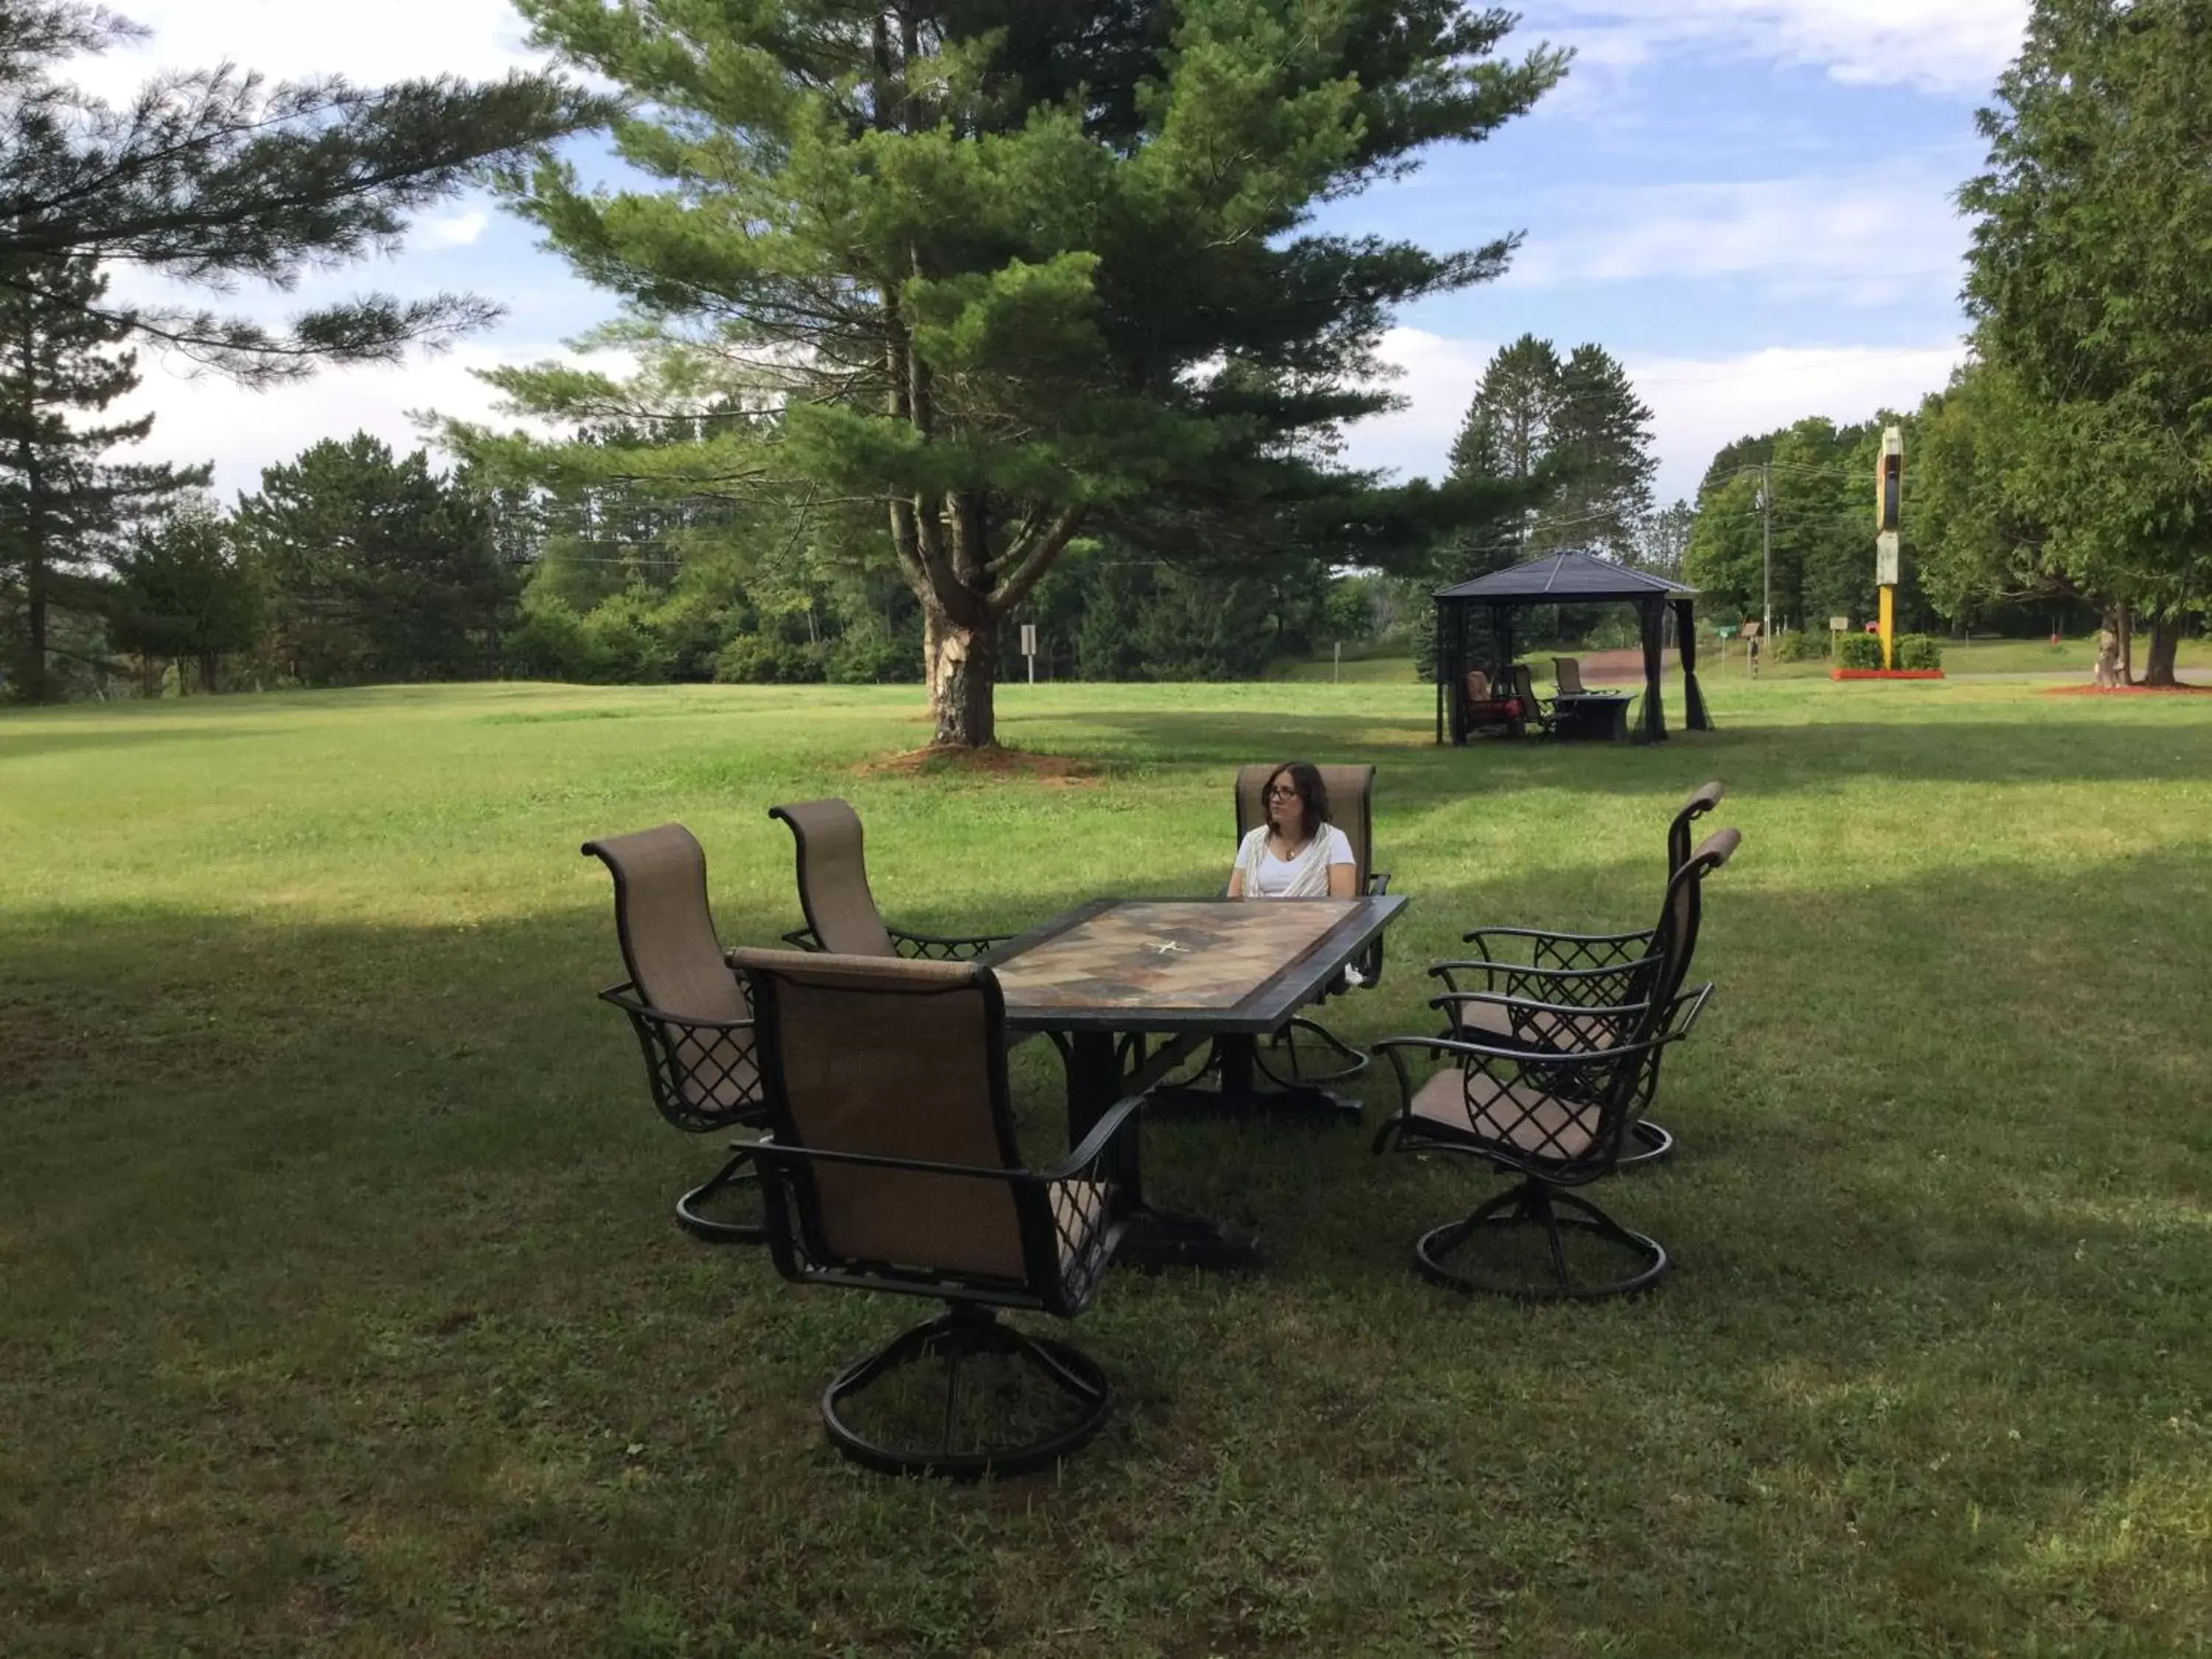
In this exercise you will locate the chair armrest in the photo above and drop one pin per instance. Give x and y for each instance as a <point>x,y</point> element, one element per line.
<point>1552,1027</point>
<point>1378,883</point>
<point>803,937</point>
<point>1102,1135</point>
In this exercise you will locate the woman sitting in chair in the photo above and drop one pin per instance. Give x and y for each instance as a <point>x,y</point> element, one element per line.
<point>1296,852</point>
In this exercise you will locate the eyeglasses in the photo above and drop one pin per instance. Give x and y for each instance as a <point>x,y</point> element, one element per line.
<point>1282,792</point>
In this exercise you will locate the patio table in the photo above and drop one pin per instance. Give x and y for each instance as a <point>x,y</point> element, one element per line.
<point>1595,716</point>
<point>1108,976</point>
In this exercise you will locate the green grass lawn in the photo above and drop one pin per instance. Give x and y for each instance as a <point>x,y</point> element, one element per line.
<point>341,1310</point>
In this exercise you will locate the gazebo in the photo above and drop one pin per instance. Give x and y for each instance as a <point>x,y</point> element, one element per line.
<point>1569,578</point>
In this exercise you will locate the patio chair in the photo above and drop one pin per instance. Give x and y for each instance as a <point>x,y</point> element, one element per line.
<point>1585,972</point>
<point>832,891</point>
<point>1559,1120</point>
<point>1482,709</point>
<point>893,1166</point>
<point>687,1006</point>
<point>1352,809</point>
<point>1533,708</point>
<point>1568,672</point>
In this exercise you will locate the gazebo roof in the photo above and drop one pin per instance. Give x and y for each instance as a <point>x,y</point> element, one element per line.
<point>1569,576</point>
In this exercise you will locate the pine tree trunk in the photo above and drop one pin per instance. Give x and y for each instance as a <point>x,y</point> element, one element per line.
<point>2165,640</point>
<point>963,667</point>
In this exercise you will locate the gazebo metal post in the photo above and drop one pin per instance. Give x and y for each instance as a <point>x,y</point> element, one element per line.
<point>1686,635</point>
<point>1651,613</point>
<point>1443,675</point>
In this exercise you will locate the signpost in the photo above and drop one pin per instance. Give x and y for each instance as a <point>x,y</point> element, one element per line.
<point>1889,509</point>
<point>1029,649</point>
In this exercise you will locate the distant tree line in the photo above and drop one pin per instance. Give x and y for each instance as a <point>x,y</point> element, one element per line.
<point>2065,474</point>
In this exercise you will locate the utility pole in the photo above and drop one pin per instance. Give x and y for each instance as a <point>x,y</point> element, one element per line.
<point>1767,548</point>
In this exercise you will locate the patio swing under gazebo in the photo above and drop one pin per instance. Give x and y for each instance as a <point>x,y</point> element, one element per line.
<point>1569,578</point>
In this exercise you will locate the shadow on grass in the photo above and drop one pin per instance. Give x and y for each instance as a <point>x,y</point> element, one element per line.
<point>341,1286</point>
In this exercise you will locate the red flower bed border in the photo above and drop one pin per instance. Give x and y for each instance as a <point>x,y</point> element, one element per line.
<point>1885,673</point>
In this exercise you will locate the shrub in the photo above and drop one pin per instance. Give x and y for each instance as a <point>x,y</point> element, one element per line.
<point>1798,644</point>
<point>760,659</point>
<point>1858,651</point>
<point>872,659</point>
<point>1919,651</point>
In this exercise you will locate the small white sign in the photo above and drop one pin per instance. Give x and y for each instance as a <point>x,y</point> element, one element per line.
<point>1029,638</point>
<point>1884,559</point>
<point>1839,624</point>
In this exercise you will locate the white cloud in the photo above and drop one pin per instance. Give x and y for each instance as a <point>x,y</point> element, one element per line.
<point>1955,47</point>
<point>1698,405</point>
<point>451,229</point>
<point>210,419</point>
<point>294,39</point>
<point>1868,240</point>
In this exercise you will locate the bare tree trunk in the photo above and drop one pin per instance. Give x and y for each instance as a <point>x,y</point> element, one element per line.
<point>2165,640</point>
<point>2127,631</point>
<point>211,663</point>
<point>963,670</point>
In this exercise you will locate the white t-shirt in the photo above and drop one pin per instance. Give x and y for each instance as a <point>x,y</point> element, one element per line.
<point>1305,876</point>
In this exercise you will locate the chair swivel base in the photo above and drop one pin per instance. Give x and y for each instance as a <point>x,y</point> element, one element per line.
<point>952,1337</point>
<point>738,1172</point>
<point>1651,1142</point>
<point>1534,1205</point>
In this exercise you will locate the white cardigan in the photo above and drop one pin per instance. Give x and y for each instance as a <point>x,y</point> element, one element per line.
<point>1308,871</point>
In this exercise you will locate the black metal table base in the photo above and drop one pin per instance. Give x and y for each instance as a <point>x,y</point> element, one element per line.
<point>1237,1092</point>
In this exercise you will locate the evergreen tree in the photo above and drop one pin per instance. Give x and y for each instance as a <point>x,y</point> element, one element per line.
<point>378,568</point>
<point>1600,451</point>
<point>211,177</point>
<point>62,507</point>
<point>2086,281</point>
<point>184,592</point>
<point>1016,270</point>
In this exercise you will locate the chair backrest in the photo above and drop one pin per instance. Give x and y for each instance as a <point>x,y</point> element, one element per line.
<point>1351,808</point>
<point>1676,935</point>
<point>1568,670</point>
<point>682,997</point>
<point>1702,800</point>
<point>1524,687</point>
<point>833,878</point>
<point>892,1059</point>
<point>665,929</point>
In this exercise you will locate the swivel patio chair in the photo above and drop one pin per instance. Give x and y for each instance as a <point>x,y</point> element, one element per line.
<point>832,891</point>
<point>1559,1120</point>
<point>1568,672</point>
<point>1351,810</point>
<point>687,1006</point>
<point>1533,708</point>
<point>1584,971</point>
<point>1482,709</point>
<point>893,1166</point>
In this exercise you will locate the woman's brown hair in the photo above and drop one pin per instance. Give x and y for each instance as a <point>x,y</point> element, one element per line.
<point>1313,794</point>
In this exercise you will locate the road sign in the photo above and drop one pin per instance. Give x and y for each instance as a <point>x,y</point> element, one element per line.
<point>1839,624</point>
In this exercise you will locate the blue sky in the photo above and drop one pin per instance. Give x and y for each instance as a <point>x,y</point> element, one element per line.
<point>1746,201</point>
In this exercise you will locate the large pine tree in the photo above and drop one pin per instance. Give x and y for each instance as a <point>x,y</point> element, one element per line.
<point>1017,270</point>
<point>2087,282</point>
<point>62,505</point>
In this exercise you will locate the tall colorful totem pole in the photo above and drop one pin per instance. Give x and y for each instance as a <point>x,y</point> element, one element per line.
<point>1888,504</point>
